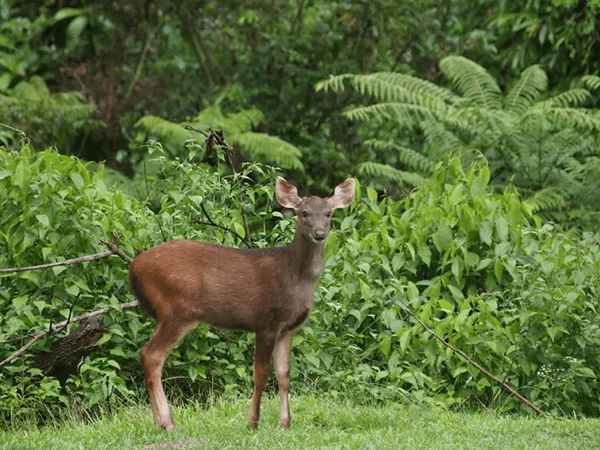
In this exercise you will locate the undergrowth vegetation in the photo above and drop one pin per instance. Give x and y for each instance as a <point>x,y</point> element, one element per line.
<point>479,268</point>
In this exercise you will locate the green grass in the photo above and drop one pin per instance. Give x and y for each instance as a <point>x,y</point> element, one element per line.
<point>316,423</point>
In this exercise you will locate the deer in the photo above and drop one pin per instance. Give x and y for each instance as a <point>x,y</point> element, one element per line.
<point>267,291</point>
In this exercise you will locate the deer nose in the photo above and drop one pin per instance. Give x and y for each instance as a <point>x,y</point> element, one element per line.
<point>320,234</point>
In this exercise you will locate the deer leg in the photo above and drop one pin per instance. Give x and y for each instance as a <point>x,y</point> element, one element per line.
<point>262,358</point>
<point>281,355</point>
<point>153,357</point>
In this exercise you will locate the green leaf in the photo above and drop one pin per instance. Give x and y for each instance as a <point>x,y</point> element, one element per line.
<point>77,180</point>
<point>485,232</point>
<point>385,345</point>
<point>43,219</point>
<point>498,269</point>
<point>443,237</point>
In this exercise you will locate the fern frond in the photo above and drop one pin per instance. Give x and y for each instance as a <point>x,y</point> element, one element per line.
<point>409,157</point>
<point>335,83</point>
<point>546,199</point>
<point>210,117</point>
<point>242,121</point>
<point>480,121</point>
<point>269,148</point>
<point>405,113</point>
<point>440,138</point>
<point>163,129</point>
<point>473,81</point>
<point>591,81</point>
<point>579,118</point>
<point>34,89</point>
<point>390,173</point>
<point>533,81</point>
<point>572,97</point>
<point>419,86</point>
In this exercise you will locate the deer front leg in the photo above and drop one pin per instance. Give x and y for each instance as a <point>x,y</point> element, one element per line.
<point>262,358</point>
<point>281,355</point>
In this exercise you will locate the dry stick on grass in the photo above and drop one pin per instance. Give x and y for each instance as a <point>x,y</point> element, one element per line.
<point>114,250</point>
<point>473,363</point>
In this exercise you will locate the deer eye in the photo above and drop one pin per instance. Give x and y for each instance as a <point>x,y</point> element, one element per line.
<point>328,214</point>
<point>305,214</point>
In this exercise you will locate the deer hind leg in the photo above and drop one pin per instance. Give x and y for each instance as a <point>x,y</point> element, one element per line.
<point>281,355</point>
<point>153,357</point>
<point>262,358</point>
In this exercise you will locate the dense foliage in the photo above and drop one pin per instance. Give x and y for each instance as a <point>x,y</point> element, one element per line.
<point>478,267</point>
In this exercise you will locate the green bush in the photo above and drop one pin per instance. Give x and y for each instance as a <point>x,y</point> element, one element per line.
<point>517,295</point>
<point>484,273</point>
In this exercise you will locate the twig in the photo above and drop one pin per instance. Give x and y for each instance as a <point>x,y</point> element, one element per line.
<point>114,248</point>
<point>473,363</point>
<point>211,222</point>
<point>190,128</point>
<point>62,324</point>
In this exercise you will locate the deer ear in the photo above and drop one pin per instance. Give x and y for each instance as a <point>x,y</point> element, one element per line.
<point>343,194</point>
<point>287,194</point>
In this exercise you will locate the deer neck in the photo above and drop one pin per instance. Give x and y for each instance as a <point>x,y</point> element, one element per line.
<point>306,257</point>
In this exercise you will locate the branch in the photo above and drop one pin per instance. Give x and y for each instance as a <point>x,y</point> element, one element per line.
<point>473,363</point>
<point>60,263</point>
<point>114,249</point>
<point>211,222</point>
<point>62,324</point>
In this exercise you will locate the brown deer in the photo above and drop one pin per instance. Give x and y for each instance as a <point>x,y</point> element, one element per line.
<point>266,291</point>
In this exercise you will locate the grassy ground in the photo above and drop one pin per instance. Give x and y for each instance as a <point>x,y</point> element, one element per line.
<point>316,423</point>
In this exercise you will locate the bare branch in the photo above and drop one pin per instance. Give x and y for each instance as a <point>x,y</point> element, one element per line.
<point>62,324</point>
<point>59,263</point>
<point>473,363</point>
<point>114,249</point>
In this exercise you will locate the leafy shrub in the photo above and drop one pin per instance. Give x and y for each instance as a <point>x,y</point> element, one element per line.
<point>484,273</point>
<point>517,295</point>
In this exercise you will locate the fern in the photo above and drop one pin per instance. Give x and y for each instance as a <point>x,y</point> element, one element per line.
<point>404,112</point>
<point>48,119</point>
<point>591,81</point>
<point>473,81</point>
<point>546,146</point>
<point>533,81</point>
<point>546,199</point>
<point>412,159</point>
<point>269,148</point>
<point>236,127</point>
<point>575,117</point>
<point>573,97</point>
<point>390,173</point>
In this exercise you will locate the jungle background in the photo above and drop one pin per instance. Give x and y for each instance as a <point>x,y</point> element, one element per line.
<point>471,127</point>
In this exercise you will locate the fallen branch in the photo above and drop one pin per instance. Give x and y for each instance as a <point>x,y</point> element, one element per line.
<point>61,325</point>
<point>113,250</point>
<point>473,363</point>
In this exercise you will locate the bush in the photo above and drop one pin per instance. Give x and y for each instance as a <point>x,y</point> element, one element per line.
<point>517,295</point>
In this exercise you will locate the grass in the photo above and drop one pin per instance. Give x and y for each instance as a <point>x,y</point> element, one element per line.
<point>316,423</point>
